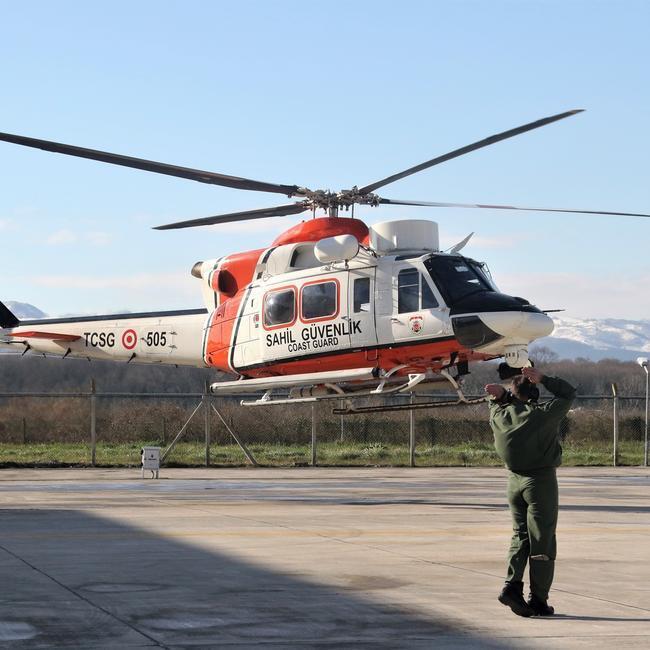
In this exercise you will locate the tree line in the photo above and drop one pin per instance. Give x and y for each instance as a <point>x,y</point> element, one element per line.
<point>40,374</point>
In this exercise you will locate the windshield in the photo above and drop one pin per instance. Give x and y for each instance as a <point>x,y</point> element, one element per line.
<point>457,277</point>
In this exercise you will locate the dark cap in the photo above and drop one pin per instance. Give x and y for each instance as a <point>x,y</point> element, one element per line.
<point>524,390</point>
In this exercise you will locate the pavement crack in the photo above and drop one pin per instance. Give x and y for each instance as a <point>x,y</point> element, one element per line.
<point>82,598</point>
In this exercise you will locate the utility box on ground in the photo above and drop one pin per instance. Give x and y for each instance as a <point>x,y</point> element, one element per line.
<point>151,460</point>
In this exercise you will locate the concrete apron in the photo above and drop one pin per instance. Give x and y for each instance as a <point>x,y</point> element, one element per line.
<point>380,557</point>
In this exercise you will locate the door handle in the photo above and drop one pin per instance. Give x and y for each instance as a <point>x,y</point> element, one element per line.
<point>396,320</point>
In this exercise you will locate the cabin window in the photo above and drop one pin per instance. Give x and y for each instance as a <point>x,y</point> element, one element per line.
<point>319,300</point>
<point>361,295</point>
<point>280,308</point>
<point>413,292</point>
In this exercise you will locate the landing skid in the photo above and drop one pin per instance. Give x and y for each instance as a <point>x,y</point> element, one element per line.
<point>337,392</point>
<point>385,387</point>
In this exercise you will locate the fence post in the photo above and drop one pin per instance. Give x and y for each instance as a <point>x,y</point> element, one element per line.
<point>206,414</point>
<point>24,431</point>
<point>313,435</point>
<point>615,416</point>
<point>341,405</point>
<point>93,423</point>
<point>164,431</point>
<point>647,413</point>
<point>411,435</point>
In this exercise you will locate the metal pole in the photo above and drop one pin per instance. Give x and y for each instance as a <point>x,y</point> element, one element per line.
<point>206,414</point>
<point>93,423</point>
<point>24,431</point>
<point>645,453</point>
<point>615,415</point>
<point>341,404</point>
<point>180,433</point>
<point>313,435</point>
<point>412,435</point>
<point>236,438</point>
<point>164,431</point>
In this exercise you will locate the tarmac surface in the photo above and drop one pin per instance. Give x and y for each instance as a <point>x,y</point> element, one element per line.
<point>311,558</point>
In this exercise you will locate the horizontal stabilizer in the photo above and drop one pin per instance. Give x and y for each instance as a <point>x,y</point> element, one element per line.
<point>7,319</point>
<point>50,336</point>
<point>290,381</point>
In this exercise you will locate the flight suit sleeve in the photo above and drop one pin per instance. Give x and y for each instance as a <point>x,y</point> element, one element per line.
<point>564,394</point>
<point>499,413</point>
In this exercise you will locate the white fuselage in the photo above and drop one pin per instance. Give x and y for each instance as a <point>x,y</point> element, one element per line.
<point>375,302</point>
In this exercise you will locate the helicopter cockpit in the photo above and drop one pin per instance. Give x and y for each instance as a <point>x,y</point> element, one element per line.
<point>458,277</point>
<point>481,316</point>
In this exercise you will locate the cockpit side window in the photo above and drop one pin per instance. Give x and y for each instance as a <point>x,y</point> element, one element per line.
<point>428,299</point>
<point>408,291</point>
<point>457,277</point>
<point>413,292</point>
<point>361,295</point>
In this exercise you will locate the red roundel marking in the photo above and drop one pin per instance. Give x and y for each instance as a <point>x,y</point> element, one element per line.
<point>129,339</point>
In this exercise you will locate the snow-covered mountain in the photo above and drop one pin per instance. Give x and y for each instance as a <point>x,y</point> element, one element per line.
<point>597,339</point>
<point>24,310</point>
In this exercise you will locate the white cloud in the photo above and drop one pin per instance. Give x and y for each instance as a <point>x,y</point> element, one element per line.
<point>586,296</point>
<point>66,237</point>
<point>97,294</point>
<point>98,238</point>
<point>61,237</point>
<point>135,282</point>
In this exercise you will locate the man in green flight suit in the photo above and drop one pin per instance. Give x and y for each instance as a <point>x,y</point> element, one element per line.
<point>526,439</point>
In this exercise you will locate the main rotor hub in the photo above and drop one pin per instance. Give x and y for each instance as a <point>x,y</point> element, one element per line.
<point>332,202</point>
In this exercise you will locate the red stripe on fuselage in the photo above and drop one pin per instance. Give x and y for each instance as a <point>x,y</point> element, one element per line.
<point>417,357</point>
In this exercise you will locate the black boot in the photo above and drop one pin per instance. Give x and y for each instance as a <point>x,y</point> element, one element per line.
<point>539,606</point>
<point>512,595</point>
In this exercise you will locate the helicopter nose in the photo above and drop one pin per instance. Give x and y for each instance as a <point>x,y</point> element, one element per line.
<point>526,326</point>
<point>494,319</point>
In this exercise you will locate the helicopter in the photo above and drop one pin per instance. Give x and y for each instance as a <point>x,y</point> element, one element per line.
<point>332,309</point>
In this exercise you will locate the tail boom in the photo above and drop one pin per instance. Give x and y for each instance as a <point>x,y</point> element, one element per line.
<point>173,337</point>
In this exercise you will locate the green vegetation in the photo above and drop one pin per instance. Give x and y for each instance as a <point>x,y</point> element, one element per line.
<point>192,454</point>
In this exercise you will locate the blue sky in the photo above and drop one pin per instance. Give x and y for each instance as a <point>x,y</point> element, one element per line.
<point>325,95</point>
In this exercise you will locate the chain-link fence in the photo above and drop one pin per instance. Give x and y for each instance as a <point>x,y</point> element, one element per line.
<point>109,429</point>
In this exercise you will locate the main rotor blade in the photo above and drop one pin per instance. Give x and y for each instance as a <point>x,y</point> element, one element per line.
<point>430,204</point>
<point>263,213</point>
<point>212,178</point>
<point>470,147</point>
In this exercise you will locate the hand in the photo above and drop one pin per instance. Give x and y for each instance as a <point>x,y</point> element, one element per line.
<point>533,375</point>
<point>496,390</point>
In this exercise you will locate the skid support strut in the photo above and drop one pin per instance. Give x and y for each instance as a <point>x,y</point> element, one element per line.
<point>413,406</point>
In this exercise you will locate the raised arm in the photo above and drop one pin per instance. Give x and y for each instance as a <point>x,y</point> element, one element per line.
<point>564,393</point>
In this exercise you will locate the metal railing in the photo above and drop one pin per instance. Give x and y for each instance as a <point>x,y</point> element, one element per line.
<point>108,428</point>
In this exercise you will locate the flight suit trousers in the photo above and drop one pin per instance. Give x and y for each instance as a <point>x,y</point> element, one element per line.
<point>533,501</point>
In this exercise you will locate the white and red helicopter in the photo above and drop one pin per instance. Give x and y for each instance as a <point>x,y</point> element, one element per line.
<point>331,309</point>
